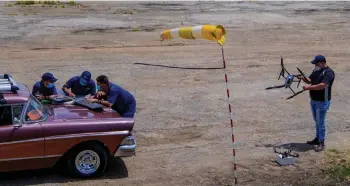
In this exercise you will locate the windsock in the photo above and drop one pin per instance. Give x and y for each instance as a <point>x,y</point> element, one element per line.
<point>210,32</point>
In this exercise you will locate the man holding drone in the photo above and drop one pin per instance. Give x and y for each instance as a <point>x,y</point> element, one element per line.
<point>321,80</point>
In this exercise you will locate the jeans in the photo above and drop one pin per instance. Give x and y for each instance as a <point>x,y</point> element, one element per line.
<point>319,110</point>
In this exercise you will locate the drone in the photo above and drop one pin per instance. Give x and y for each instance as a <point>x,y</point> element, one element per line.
<point>289,79</point>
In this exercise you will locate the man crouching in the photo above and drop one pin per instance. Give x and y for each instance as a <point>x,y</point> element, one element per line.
<point>115,97</point>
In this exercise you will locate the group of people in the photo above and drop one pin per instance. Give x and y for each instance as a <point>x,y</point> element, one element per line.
<point>103,92</point>
<point>123,102</point>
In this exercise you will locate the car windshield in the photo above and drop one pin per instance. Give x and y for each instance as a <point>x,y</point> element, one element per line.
<point>35,110</point>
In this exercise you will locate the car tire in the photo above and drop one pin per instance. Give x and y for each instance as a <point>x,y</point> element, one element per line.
<point>87,161</point>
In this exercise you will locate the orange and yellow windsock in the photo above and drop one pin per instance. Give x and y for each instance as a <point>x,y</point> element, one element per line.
<point>210,32</point>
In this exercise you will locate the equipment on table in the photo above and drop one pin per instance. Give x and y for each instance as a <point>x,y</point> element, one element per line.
<point>60,99</point>
<point>91,106</point>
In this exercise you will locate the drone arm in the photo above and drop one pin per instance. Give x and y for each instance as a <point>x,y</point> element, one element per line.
<point>292,90</point>
<point>273,87</point>
<point>286,71</point>
<point>295,94</point>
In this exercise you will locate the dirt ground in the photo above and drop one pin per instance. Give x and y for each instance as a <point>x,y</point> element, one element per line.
<point>182,126</point>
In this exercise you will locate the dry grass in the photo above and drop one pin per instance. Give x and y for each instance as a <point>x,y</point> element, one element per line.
<point>43,3</point>
<point>25,2</point>
<point>337,165</point>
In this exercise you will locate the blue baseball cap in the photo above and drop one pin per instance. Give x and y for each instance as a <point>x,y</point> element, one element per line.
<point>318,58</point>
<point>85,76</point>
<point>48,76</point>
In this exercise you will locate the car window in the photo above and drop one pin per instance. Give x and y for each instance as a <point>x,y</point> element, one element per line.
<point>5,115</point>
<point>16,114</point>
<point>35,111</point>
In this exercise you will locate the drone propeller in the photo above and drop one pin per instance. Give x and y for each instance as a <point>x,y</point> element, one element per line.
<point>282,70</point>
<point>302,74</point>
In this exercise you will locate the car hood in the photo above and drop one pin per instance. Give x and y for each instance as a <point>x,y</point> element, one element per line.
<point>72,112</point>
<point>72,119</point>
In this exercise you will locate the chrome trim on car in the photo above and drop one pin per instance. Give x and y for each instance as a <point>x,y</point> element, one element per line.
<point>124,132</point>
<point>126,150</point>
<point>28,158</point>
<point>23,141</point>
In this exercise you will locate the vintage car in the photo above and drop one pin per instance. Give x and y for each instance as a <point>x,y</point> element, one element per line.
<point>35,135</point>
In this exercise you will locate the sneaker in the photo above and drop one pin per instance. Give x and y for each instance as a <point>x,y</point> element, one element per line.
<point>313,142</point>
<point>320,147</point>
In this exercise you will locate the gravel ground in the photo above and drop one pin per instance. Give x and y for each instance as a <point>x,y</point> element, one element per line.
<point>182,124</point>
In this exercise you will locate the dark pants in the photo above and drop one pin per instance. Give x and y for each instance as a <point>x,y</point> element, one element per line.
<point>125,109</point>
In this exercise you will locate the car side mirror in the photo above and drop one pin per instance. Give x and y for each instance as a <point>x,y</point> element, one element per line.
<point>16,123</point>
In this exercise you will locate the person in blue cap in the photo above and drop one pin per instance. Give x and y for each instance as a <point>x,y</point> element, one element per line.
<point>80,86</point>
<point>320,90</point>
<point>45,88</point>
<point>115,97</point>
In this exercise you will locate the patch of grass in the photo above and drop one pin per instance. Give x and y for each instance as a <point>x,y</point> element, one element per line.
<point>72,3</point>
<point>124,11</point>
<point>337,165</point>
<point>143,28</point>
<point>62,6</point>
<point>50,2</point>
<point>8,5</point>
<point>26,2</point>
<point>136,30</point>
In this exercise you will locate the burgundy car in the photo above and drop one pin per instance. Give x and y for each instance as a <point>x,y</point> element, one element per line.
<point>34,135</point>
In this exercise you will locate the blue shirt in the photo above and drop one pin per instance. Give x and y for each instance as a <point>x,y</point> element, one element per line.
<point>78,89</point>
<point>120,97</point>
<point>40,88</point>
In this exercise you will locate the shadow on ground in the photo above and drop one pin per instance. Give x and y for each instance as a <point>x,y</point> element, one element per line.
<point>299,147</point>
<point>116,169</point>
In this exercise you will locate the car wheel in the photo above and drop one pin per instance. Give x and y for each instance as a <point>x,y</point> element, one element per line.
<point>87,161</point>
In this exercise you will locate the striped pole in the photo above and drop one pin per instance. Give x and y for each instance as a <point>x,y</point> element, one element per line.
<point>231,121</point>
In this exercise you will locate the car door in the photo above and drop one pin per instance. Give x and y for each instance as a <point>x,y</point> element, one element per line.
<point>22,143</point>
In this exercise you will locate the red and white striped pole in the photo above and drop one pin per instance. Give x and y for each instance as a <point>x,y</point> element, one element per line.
<point>231,121</point>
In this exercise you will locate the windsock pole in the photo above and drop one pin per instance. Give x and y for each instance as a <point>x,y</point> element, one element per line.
<point>231,121</point>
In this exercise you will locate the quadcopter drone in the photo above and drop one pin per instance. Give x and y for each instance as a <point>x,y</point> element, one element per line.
<point>288,80</point>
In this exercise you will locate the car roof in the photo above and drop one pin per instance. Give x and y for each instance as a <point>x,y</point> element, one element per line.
<point>20,96</point>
